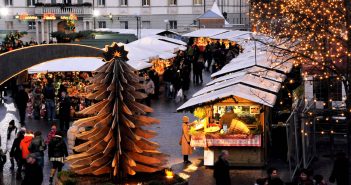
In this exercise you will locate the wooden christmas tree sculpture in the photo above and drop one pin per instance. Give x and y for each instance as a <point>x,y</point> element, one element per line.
<point>116,142</point>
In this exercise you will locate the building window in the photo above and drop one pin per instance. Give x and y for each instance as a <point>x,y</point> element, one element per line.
<point>80,1</point>
<point>8,3</point>
<point>87,25</point>
<point>172,24</point>
<point>102,24</point>
<point>9,25</point>
<point>197,2</point>
<point>124,24</point>
<point>173,2</point>
<point>146,24</point>
<point>327,89</point>
<point>145,2</point>
<point>101,2</point>
<point>30,2</point>
<point>124,2</point>
<point>53,1</point>
<point>31,25</point>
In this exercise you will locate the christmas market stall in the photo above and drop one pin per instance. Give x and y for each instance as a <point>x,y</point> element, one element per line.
<point>233,110</point>
<point>164,47</point>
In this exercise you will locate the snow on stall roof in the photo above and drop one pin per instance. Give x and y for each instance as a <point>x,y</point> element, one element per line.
<point>248,60</point>
<point>171,40</point>
<point>239,90</point>
<point>247,79</point>
<point>139,65</point>
<point>229,34</point>
<point>157,45</point>
<point>205,32</point>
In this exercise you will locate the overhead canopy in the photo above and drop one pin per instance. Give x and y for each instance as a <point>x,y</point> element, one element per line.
<point>205,33</point>
<point>80,64</point>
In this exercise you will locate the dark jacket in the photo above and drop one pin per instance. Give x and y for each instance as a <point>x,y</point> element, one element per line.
<point>15,149</point>
<point>340,172</point>
<point>57,147</point>
<point>221,172</point>
<point>37,146</point>
<point>33,174</point>
<point>49,92</point>
<point>65,107</point>
<point>21,99</point>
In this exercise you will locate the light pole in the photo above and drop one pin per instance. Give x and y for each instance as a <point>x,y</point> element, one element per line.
<point>138,26</point>
<point>96,13</point>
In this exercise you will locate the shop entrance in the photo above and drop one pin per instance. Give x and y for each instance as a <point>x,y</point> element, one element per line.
<point>14,62</point>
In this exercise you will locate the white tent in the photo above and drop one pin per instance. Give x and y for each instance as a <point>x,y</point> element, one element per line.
<point>153,44</point>
<point>205,33</point>
<point>229,34</point>
<point>68,64</point>
<point>143,32</point>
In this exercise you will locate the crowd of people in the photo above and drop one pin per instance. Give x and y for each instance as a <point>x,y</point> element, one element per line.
<point>27,149</point>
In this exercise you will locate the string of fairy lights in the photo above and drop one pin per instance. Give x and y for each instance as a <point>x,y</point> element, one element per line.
<point>313,32</point>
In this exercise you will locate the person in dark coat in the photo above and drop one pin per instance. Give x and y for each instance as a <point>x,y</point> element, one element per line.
<point>37,147</point>
<point>33,174</point>
<point>21,103</point>
<point>273,177</point>
<point>304,177</point>
<point>221,169</point>
<point>57,154</point>
<point>340,170</point>
<point>167,79</point>
<point>17,153</point>
<point>49,96</point>
<point>64,111</point>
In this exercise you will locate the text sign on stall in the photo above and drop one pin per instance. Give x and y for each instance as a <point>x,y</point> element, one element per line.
<point>49,16</point>
<point>25,16</point>
<point>70,17</point>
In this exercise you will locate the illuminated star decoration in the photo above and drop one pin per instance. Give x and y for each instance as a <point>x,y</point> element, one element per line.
<point>114,51</point>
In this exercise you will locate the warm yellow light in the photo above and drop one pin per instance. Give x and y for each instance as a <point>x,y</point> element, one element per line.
<point>169,173</point>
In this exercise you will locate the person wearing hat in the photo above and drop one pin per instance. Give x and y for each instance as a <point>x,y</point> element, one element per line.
<point>185,140</point>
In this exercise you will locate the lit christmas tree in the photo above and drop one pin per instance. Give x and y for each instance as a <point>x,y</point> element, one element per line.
<point>116,143</point>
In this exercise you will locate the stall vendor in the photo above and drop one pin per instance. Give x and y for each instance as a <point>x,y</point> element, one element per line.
<point>227,117</point>
<point>185,140</point>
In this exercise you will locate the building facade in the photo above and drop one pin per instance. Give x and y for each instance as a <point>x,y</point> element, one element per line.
<point>41,17</point>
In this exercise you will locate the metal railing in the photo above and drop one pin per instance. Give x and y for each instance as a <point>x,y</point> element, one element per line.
<point>64,10</point>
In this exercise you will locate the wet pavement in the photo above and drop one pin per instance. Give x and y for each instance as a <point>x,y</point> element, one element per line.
<point>169,132</point>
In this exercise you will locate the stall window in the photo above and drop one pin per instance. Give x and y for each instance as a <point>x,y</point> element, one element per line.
<point>173,24</point>
<point>146,2</point>
<point>124,24</point>
<point>146,24</point>
<point>31,25</point>
<point>197,2</point>
<point>172,2</point>
<point>124,2</point>
<point>102,24</point>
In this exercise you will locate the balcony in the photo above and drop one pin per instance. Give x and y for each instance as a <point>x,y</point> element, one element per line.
<point>64,10</point>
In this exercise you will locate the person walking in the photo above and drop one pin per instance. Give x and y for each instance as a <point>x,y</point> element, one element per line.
<point>37,93</point>
<point>221,169</point>
<point>24,146</point>
<point>304,178</point>
<point>10,138</point>
<point>64,111</point>
<point>33,174</point>
<point>149,90</point>
<point>21,103</point>
<point>185,140</point>
<point>49,96</point>
<point>37,147</point>
<point>51,133</point>
<point>340,170</point>
<point>57,153</point>
<point>16,152</point>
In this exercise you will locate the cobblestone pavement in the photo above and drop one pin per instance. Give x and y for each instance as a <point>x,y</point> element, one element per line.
<point>169,132</point>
